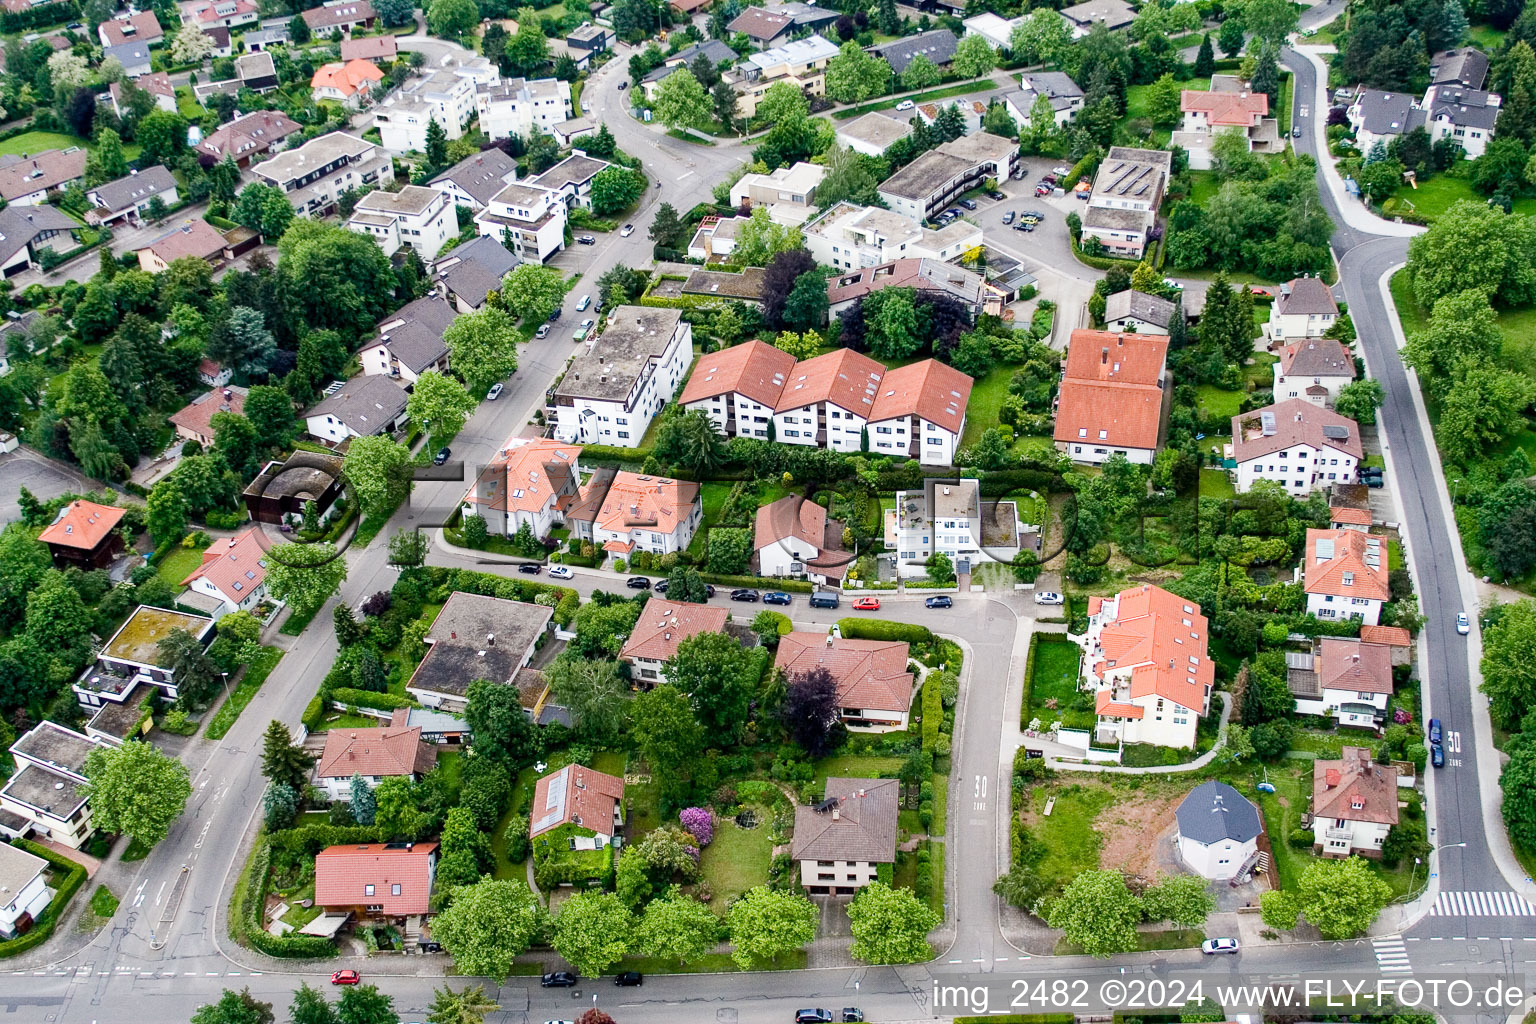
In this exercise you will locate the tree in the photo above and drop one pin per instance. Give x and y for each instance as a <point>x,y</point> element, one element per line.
<point>501,730</point>
<point>890,320</point>
<point>305,575</point>
<point>721,676</point>
<point>1481,409</point>
<point>615,189</point>
<point>468,1005</point>
<point>1379,179</point>
<point>783,102</point>
<point>592,931</point>
<point>1164,99</point>
<point>437,144</point>
<point>1359,400</point>
<point>166,510</point>
<point>597,698</point>
<point>394,13</point>
<point>280,806</point>
<point>807,303</point>
<point>532,291</point>
<point>890,926</point>
<point>453,19</point>
<point>680,101</point>
<point>57,622</point>
<point>365,1004</point>
<point>784,269</point>
<point>677,927</point>
<point>264,209</point>
<point>135,790</point>
<point>1205,60</point>
<point>67,71</point>
<point>363,803</point>
<point>765,924</point>
<point>691,440</point>
<point>667,228</point>
<point>528,50</point>
<point>1509,664</point>
<point>1475,247</point>
<point>335,278</point>
<point>1341,897</point>
<point>23,564</point>
<point>1042,38</point>
<point>974,57</point>
<point>483,347</point>
<point>920,73</point>
<point>1041,129</point>
<point>888,18</point>
<point>849,176</point>
<point>310,1007</point>
<point>685,584</point>
<point>231,1008</point>
<point>723,101</point>
<point>162,136</point>
<point>191,45</point>
<point>1098,913</point>
<point>108,154</point>
<point>760,239</point>
<point>801,346</point>
<point>398,814</point>
<point>1270,21</point>
<point>1518,781</point>
<point>235,439</point>
<point>810,712</point>
<point>1463,330</point>
<point>1231,36</point>
<point>670,738</point>
<point>408,549</point>
<point>283,761</point>
<point>854,75</point>
<point>440,401</point>
<point>1181,900</point>
<point>378,470</point>
<point>270,411</point>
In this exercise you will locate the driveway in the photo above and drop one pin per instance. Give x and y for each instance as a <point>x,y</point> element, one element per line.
<point>43,476</point>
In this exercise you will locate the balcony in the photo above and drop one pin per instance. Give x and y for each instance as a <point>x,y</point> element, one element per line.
<point>1337,835</point>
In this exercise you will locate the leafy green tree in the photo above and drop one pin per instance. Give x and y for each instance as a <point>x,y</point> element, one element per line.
<point>398,811</point>
<point>532,291</point>
<point>1164,99</point>
<point>483,347</point>
<point>1041,128</point>
<point>437,144</point>
<point>1359,400</point>
<point>1098,913</point>
<point>849,176</point>
<point>680,101</point>
<point>1508,664</point>
<point>888,18</point>
<point>162,136</point>
<point>1042,38</point>
<point>335,279</point>
<point>501,730</point>
<point>378,471</point>
<point>234,437</point>
<point>264,209</point>
<point>23,564</point>
<point>890,926</point>
<point>528,50</point>
<point>232,1008</point>
<point>1475,246</point>
<point>782,102</point>
<point>974,57</point>
<point>270,411</point>
<point>801,346</point>
<point>1341,898</point>
<point>854,75</point>
<point>453,19</point>
<point>408,549</point>
<point>691,440</point>
<point>670,738</point>
<point>721,676</point>
<point>765,924</point>
<point>593,931</point>
<point>677,927</point>
<point>135,790</point>
<point>279,806</point>
<point>890,321</point>
<point>806,306</point>
<point>365,1004</point>
<point>108,154</point>
<point>304,575</point>
<point>468,1005</point>
<point>58,621</point>
<point>601,629</point>
<point>440,402</point>
<point>920,73</point>
<point>1181,900</point>
<point>309,1006</point>
<point>1483,408</point>
<point>394,13</point>
<point>167,509</point>
<point>728,549</point>
<point>615,189</point>
<point>667,227</point>
<point>761,238</point>
<point>1463,330</point>
<point>283,761</point>
<point>597,698</point>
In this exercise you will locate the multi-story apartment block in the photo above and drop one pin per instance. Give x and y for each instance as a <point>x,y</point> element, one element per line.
<point>849,236</point>
<point>827,400</point>
<point>1112,397</point>
<point>416,216</point>
<point>442,96</point>
<point>315,174</point>
<point>739,386</point>
<point>46,791</point>
<point>1296,444</point>
<point>948,517</point>
<point>1127,191</point>
<point>920,412</point>
<point>528,221</point>
<point>519,105</point>
<point>571,179</point>
<point>626,512</point>
<point>802,63</point>
<point>610,393</point>
<point>930,183</point>
<point>532,482</point>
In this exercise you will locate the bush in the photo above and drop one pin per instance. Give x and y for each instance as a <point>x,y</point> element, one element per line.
<point>314,714</point>
<point>42,928</point>
<point>884,629</point>
<point>1301,838</point>
<point>368,699</point>
<point>933,711</point>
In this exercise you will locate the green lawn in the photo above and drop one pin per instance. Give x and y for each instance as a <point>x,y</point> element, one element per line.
<point>1176,938</point>
<point>856,766</point>
<point>1070,842</point>
<point>256,673</point>
<point>179,564</point>
<point>103,903</point>
<point>1055,675</point>
<point>1434,197</point>
<point>987,396</point>
<point>1137,97</point>
<point>1219,402</point>
<point>187,105</point>
<point>1486,37</point>
<point>1202,186</point>
<point>32,143</point>
<point>1214,483</point>
<point>735,861</point>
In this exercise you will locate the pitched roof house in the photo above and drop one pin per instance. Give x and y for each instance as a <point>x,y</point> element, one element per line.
<point>1112,397</point>
<point>375,754</point>
<point>468,274</point>
<point>246,138</point>
<point>1315,369</point>
<point>531,480</point>
<point>1146,655</point>
<point>578,795</point>
<point>1303,308</point>
<point>377,880</point>
<point>628,512</point>
<point>136,28</point>
<point>234,572</point>
<point>919,412</point>
<point>1344,575</point>
<point>1342,678</point>
<point>28,181</point>
<point>841,841</point>
<point>1354,804</point>
<point>874,688</point>
<point>476,637</point>
<point>1139,312</point>
<point>1296,444</point>
<point>84,534</point>
<point>662,626</point>
<point>793,536</point>
<point>361,407</point>
<point>194,421</point>
<point>345,82</point>
<point>410,341</point>
<point>1218,830</point>
<point>739,387</point>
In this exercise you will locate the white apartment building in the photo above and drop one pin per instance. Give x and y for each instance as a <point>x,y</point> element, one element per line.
<point>1303,308</point>
<point>45,791</point>
<point>611,392</point>
<point>849,236</point>
<point>416,216</point>
<point>571,178</point>
<point>930,183</point>
<point>410,341</point>
<point>24,891</point>
<point>920,412</point>
<point>442,96</point>
<point>1354,804</point>
<point>948,517</point>
<point>315,174</point>
<point>739,386</point>
<point>1228,105</point>
<point>1296,444</point>
<point>1314,370</point>
<point>827,400</point>
<point>1465,116</point>
<point>531,482</point>
<point>519,105</point>
<point>626,512</point>
<point>528,220</point>
<point>1344,576</point>
<point>802,62</point>
<point>1127,191</point>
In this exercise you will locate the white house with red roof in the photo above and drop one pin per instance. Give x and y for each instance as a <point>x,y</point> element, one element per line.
<point>1342,678</point>
<point>386,882</point>
<point>826,402</point>
<point>661,627</point>
<point>874,688</point>
<point>794,537</point>
<point>532,481</point>
<point>1354,804</point>
<point>375,754</point>
<point>1228,106</point>
<point>1296,444</point>
<point>1314,369</point>
<point>1303,308</point>
<point>194,421</point>
<point>234,572</point>
<point>626,512</point>
<point>1112,397</point>
<point>739,387</point>
<point>1344,575</point>
<point>1341,517</point>
<point>920,412</point>
<point>1148,665</point>
<point>576,795</point>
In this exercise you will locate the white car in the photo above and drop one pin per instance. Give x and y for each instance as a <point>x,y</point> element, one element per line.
<point>559,572</point>
<point>626,230</point>
<point>905,105</point>
<point>583,303</point>
<point>1048,597</point>
<point>1212,946</point>
<point>542,332</point>
<point>494,394</point>
<point>1463,624</point>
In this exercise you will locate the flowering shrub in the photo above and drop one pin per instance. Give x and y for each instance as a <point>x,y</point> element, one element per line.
<point>700,823</point>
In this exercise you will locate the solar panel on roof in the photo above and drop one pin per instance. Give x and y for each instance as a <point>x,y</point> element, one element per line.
<point>1336,432</point>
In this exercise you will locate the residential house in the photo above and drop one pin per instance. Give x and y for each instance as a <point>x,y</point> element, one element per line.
<point>873,133</point>
<point>476,637</point>
<point>1127,191</point>
<point>738,387</point>
<point>283,489</point>
<point>131,28</point>
<point>223,45</point>
<point>265,38</point>
<point>662,626</point>
<point>571,179</point>
<point>134,57</point>
<point>416,216</point>
<point>28,181</point>
<point>827,401</point>
<point>128,199</point>
<point>388,884</point>
<point>213,374</point>
<point>475,180</point>
<point>379,49</point>
<point>84,535</point>
<point>1342,678</point>
<point>362,407</point>
<point>1063,94</point>
<point>1344,575</point>
<point>849,236</point>
<point>410,341</point>
<point>789,192</point>
<point>445,96</point>
<point>1315,370</point>
<point>948,517</point>
<point>516,106</point>
<point>24,230</point>
<point>1112,397</point>
<point>934,180</point>
<point>1396,639</point>
<point>685,8</point>
<point>470,272</point>
<point>996,30</point>
<point>528,220</point>
<point>256,71</point>
<point>745,285</point>
<point>1139,313</point>
<point>233,573</point>
<point>247,138</point>
<point>1465,116</point>
<point>1348,517</point>
<point>793,537</point>
<point>349,84</point>
<point>1229,105</point>
<point>874,687</point>
<point>919,412</point>
<point>1354,804</point>
<point>610,392</point>
<point>157,84</point>
<point>588,40</point>
<point>802,63</point>
<point>625,512</point>
<point>1112,14</point>
<point>716,52</point>
<point>926,275</point>
<point>315,174</point>
<point>374,753</point>
<point>585,807</point>
<point>567,132</point>
<point>772,26</point>
<point>44,796</point>
<point>1378,116</point>
<point>116,724</point>
<point>437,727</point>
<point>195,238</point>
<point>842,842</point>
<point>1147,663</point>
<point>1465,66</point>
<point>716,236</point>
<point>133,656</point>
<point>1296,444</point>
<point>343,16</point>
<point>1218,831</point>
<point>938,46</point>
<point>24,892</point>
<point>219,13</point>
<point>194,421</point>
<point>531,482</point>
<point>1303,308</point>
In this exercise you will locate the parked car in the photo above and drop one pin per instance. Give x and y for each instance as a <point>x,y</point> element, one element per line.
<point>1463,624</point>
<point>969,204</point>
<point>994,194</point>
<point>430,946</point>
<point>1021,173</point>
<point>776,597</point>
<point>582,303</point>
<point>824,599</point>
<point>1373,481</point>
<point>629,979</point>
<point>638,583</point>
<point>347,977</point>
<point>905,105</point>
<point>813,1016</point>
<point>1295,133</point>
<point>939,601</point>
<point>866,604</point>
<point>494,393</point>
<point>852,1014</point>
<point>586,239</point>
<point>584,329</point>
<point>744,594</point>
<point>1434,730</point>
<point>558,979</point>
<point>625,232</point>
<point>1437,755</point>
<point>555,315</point>
<point>529,568</point>
<point>623,86</point>
<point>442,455</point>
<point>542,332</point>
<point>1043,189</point>
<point>1008,217</point>
<point>1048,597</point>
<point>1212,946</point>
<point>559,572</point>
<point>1021,226</point>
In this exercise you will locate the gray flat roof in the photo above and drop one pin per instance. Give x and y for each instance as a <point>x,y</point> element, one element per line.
<point>634,335</point>
<point>477,637</point>
<point>54,744</point>
<point>58,795</point>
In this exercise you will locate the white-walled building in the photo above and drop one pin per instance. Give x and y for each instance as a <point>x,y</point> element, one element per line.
<point>840,848</point>
<point>1344,679</point>
<point>410,341</point>
<point>1314,371</point>
<point>1296,444</point>
<point>1140,313</point>
<point>1303,308</point>
<point>517,106</point>
<point>577,795</point>
<point>873,133</point>
<point>571,178</point>
<point>1112,395</point>
<point>1064,95</point>
<point>531,481</point>
<point>739,386</point>
<point>133,657</point>
<point>362,407</point>
<point>24,892</point>
<point>920,412</point>
<point>949,517</point>
<point>1218,830</point>
<point>233,573</point>
<point>849,236</point>
<point>1230,105</point>
<point>827,400</point>
<point>626,512</point>
<point>1465,116</point>
<point>444,96</point>
<point>532,219</point>
<point>46,790</point>
<point>662,626</point>
<point>1127,191</point>
<point>930,183</point>
<point>351,84</point>
<point>996,30</point>
<point>794,537</point>
<point>874,686</point>
<point>789,192</point>
<point>1344,574</point>
<point>610,392</point>
<point>128,199</point>
<point>415,216</point>
<point>476,180</point>
<point>1354,804</point>
<point>476,637</point>
<point>315,174</point>
<point>374,754</point>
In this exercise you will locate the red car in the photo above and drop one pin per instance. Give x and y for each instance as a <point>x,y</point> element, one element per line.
<point>867,604</point>
<point>347,977</point>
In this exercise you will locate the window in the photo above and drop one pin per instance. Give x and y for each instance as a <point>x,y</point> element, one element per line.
<point>368,890</point>
<point>394,890</point>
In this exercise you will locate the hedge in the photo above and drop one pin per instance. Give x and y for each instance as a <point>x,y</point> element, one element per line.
<point>309,840</point>
<point>884,629</point>
<point>314,714</point>
<point>933,709</point>
<point>253,899</point>
<point>598,454</point>
<point>370,699</point>
<point>798,586</point>
<point>42,928</point>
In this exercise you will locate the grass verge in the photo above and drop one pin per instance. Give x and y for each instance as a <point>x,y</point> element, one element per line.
<point>255,674</point>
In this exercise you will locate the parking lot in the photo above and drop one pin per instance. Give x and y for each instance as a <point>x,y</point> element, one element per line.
<point>44,478</point>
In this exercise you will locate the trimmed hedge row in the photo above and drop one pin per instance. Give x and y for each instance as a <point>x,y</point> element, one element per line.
<point>370,699</point>
<point>314,714</point>
<point>309,840</point>
<point>42,928</point>
<point>600,454</point>
<point>884,629</point>
<point>299,947</point>
<point>763,582</point>
<point>933,710</point>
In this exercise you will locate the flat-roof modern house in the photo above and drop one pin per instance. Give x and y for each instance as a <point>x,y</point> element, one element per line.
<point>417,217</point>
<point>1112,14</point>
<point>133,656</point>
<point>1127,191</point>
<point>44,795</point>
<point>842,841</point>
<point>611,392</point>
<point>948,517</point>
<point>476,637</point>
<point>930,183</point>
<point>802,63</point>
<point>872,134</point>
<point>527,220</point>
<point>874,687</point>
<point>571,179</point>
<point>1112,397</point>
<point>84,535</point>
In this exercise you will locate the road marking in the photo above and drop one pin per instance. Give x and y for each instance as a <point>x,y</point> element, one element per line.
<point>952,961</point>
<point>1482,904</point>
<point>1453,742</point>
<point>1392,956</point>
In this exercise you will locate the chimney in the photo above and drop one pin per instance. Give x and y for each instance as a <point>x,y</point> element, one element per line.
<point>1104,356</point>
<point>490,639</point>
<point>1365,757</point>
<point>861,794</point>
<point>829,640</point>
<point>836,814</point>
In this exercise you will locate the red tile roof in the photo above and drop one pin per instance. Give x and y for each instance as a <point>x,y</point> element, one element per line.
<point>578,795</point>
<point>1278,427</point>
<point>1337,786</point>
<point>527,476</point>
<point>196,238</point>
<point>346,78</point>
<point>1111,386</point>
<point>82,524</point>
<point>845,378</point>
<point>234,565</point>
<point>368,875</point>
<point>369,48</point>
<point>790,517</point>
<point>1392,636</point>
<point>870,674</point>
<point>375,752</point>
<point>755,369</point>
<point>1348,664</point>
<point>1226,108</point>
<point>1164,639</point>
<point>1353,516</point>
<point>928,388</point>
<point>1336,555</point>
<point>1105,704</point>
<point>665,624</point>
<point>198,416</point>
<point>641,501</point>
<point>1317,357</point>
<point>146,29</point>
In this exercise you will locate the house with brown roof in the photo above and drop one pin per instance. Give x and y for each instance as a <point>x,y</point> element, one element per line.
<point>920,412</point>
<point>84,535</point>
<point>585,806</point>
<point>1140,313</point>
<point>1303,308</point>
<point>283,488</point>
<point>827,401</point>
<point>532,481</point>
<point>375,754</point>
<point>841,841</point>
<point>1296,444</point>
<point>794,537</point>
<point>1354,804</point>
<point>194,421</point>
<point>923,274</point>
<point>1145,658</point>
<point>157,84</point>
<point>374,48</point>
<point>1344,574</point>
<point>739,386</point>
<point>410,340</point>
<point>247,138</point>
<point>1112,397</point>
<point>233,573</point>
<point>625,512</point>
<point>476,637</point>
<point>763,26</point>
<point>132,28</point>
<point>662,625</point>
<point>874,688</point>
<point>28,181</point>
<point>196,238</point>
<point>385,883</point>
<point>1395,639</point>
<point>343,15</point>
<point>1315,369</point>
<point>1342,678</point>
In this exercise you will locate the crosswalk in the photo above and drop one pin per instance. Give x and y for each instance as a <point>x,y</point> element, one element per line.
<point>1481,904</point>
<point>1392,955</point>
